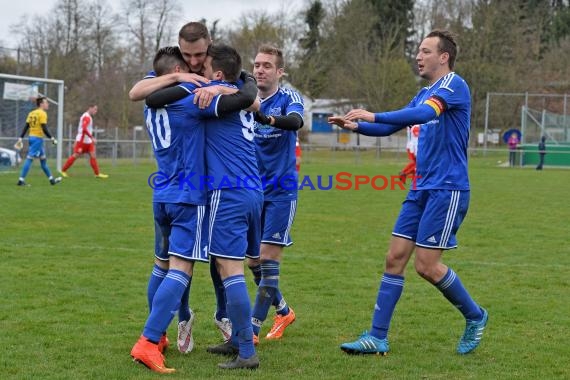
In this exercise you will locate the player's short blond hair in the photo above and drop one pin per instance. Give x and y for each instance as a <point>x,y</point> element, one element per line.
<point>273,50</point>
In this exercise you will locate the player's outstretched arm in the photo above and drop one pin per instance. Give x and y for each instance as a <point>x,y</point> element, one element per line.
<point>340,121</point>
<point>365,128</point>
<point>420,114</point>
<point>145,87</point>
<point>359,114</point>
<point>162,97</point>
<point>377,129</point>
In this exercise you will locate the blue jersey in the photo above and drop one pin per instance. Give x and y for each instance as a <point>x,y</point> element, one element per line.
<point>276,147</point>
<point>443,142</point>
<point>230,150</point>
<point>150,74</point>
<point>177,135</point>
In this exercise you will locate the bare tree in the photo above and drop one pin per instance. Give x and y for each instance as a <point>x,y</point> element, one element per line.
<point>149,23</point>
<point>102,38</point>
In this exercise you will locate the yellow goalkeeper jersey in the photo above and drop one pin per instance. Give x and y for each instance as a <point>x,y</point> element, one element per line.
<point>35,119</point>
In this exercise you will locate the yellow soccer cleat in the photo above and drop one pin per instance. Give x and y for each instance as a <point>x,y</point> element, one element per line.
<point>102,176</point>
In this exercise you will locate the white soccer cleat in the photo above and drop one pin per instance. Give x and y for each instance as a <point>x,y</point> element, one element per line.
<point>185,340</point>
<point>225,327</point>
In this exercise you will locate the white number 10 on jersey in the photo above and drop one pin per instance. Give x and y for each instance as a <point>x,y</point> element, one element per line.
<point>159,128</point>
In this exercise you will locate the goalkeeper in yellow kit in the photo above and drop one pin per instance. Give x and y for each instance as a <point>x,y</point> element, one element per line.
<point>36,124</point>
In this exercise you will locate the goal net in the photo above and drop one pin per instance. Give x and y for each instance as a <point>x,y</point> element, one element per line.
<point>17,99</point>
<point>537,123</point>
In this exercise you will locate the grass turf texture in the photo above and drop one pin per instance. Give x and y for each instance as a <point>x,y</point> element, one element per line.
<point>76,259</point>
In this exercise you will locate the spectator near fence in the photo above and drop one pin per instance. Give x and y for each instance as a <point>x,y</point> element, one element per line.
<point>513,143</point>
<point>541,152</point>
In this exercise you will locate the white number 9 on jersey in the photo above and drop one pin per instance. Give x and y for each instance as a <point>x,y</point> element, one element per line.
<point>248,124</point>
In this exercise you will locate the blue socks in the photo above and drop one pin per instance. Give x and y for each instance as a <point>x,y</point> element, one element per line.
<point>389,293</point>
<point>266,291</point>
<point>184,309</point>
<point>256,270</point>
<point>391,288</point>
<point>453,290</point>
<point>279,302</point>
<point>26,167</point>
<point>219,290</point>
<point>165,304</point>
<point>45,168</point>
<point>239,312</point>
<point>156,277</point>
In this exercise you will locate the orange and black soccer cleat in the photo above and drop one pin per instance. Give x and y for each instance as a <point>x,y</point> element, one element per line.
<point>147,353</point>
<point>280,323</point>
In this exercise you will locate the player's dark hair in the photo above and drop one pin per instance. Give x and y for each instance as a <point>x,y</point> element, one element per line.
<point>225,59</point>
<point>273,50</point>
<point>166,59</point>
<point>193,31</point>
<point>40,100</point>
<point>446,44</point>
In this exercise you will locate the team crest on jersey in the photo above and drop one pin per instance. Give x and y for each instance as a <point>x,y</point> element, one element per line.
<point>265,129</point>
<point>262,128</point>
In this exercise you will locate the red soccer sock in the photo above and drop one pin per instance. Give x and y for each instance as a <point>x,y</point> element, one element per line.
<point>94,165</point>
<point>68,163</point>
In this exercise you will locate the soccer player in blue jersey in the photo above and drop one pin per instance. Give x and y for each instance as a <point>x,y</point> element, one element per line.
<point>36,124</point>
<point>178,137</point>
<point>193,40</point>
<point>435,207</point>
<point>235,207</point>
<point>277,122</point>
<point>235,194</point>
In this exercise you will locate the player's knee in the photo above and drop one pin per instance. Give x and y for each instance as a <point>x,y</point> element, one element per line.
<point>271,252</point>
<point>425,271</point>
<point>252,263</point>
<point>161,264</point>
<point>396,261</point>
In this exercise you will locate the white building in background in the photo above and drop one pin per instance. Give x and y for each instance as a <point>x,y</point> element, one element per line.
<point>317,132</point>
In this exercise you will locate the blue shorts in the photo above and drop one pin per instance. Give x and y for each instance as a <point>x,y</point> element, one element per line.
<point>178,230</point>
<point>431,218</point>
<point>235,223</point>
<point>36,148</point>
<point>277,218</point>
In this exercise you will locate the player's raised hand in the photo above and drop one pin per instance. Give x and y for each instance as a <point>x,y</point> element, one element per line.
<point>262,118</point>
<point>337,120</point>
<point>204,95</point>
<point>196,79</point>
<point>359,114</point>
<point>343,123</point>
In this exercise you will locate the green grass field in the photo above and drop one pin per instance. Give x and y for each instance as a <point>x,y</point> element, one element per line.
<point>76,258</point>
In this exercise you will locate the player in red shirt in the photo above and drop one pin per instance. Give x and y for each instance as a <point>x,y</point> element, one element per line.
<point>412,147</point>
<point>85,143</point>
